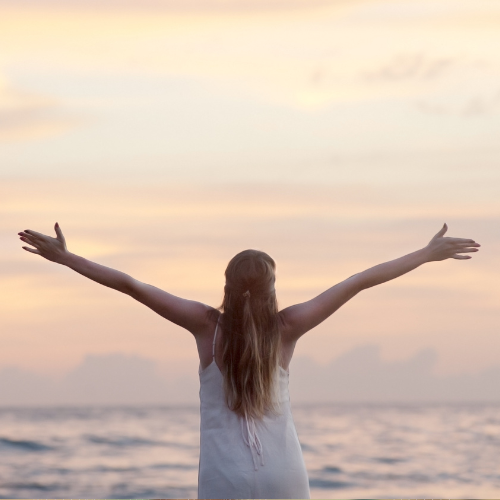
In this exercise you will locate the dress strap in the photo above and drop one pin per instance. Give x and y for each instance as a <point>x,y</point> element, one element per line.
<point>215,336</point>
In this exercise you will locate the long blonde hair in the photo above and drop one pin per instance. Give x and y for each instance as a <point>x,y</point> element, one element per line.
<point>251,339</point>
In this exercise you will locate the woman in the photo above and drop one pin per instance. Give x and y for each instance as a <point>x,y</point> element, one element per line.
<point>249,446</point>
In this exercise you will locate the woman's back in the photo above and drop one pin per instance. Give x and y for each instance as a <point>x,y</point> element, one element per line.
<point>247,458</point>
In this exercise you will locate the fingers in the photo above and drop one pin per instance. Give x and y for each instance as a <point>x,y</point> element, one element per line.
<point>464,250</point>
<point>463,241</point>
<point>32,250</point>
<point>442,231</point>
<point>35,234</point>
<point>29,241</point>
<point>467,245</point>
<point>468,250</point>
<point>460,241</point>
<point>60,236</point>
<point>28,238</point>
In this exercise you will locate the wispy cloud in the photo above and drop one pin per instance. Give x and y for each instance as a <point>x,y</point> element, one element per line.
<point>27,115</point>
<point>482,105</point>
<point>410,66</point>
<point>487,104</point>
<point>307,55</point>
<point>207,6</point>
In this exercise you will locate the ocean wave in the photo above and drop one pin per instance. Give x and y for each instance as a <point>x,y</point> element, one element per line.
<point>326,484</point>
<point>389,460</point>
<point>120,441</point>
<point>30,486</point>
<point>106,468</point>
<point>25,445</point>
<point>131,441</point>
<point>332,469</point>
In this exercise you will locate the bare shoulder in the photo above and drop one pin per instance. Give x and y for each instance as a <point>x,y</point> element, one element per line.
<point>207,327</point>
<point>284,326</point>
<point>205,337</point>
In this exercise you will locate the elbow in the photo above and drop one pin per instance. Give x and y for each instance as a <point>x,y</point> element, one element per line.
<point>128,286</point>
<point>359,282</point>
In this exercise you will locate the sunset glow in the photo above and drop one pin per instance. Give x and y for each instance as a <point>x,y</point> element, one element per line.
<point>165,137</point>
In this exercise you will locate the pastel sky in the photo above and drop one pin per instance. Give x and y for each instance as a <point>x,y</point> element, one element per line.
<point>166,136</point>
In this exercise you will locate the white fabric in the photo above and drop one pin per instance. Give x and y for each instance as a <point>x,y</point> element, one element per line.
<point>247,458</point>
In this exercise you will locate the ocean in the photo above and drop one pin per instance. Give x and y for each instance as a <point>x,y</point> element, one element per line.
<point>350,450</point>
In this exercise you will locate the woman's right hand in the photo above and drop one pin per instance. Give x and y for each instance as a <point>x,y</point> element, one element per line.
<point>441,247</point>
<point>53,249</point>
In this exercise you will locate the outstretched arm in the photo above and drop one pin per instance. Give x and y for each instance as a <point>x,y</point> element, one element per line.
<point>300,318</point>
<point>186,313</point>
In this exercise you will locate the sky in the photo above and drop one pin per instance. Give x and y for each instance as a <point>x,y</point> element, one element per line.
<point>166,136</point>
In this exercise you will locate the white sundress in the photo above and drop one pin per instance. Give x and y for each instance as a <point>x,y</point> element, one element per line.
<point>246,458</point>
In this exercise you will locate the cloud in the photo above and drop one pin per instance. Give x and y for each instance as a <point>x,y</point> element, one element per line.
<point>110,379</point>
<point>432,108</point>
<point>270,55</point>
<point>145,203</point>
<point>359,375</point>
<point>118,378</point>
<point>216,6</point>
<point>465,107</point>
<point>31,127</point>
<point>28,116</point>
<point>481,105</point>
<point>409,67</point>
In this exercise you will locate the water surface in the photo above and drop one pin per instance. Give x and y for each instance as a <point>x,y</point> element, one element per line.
<point>351,451</point>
